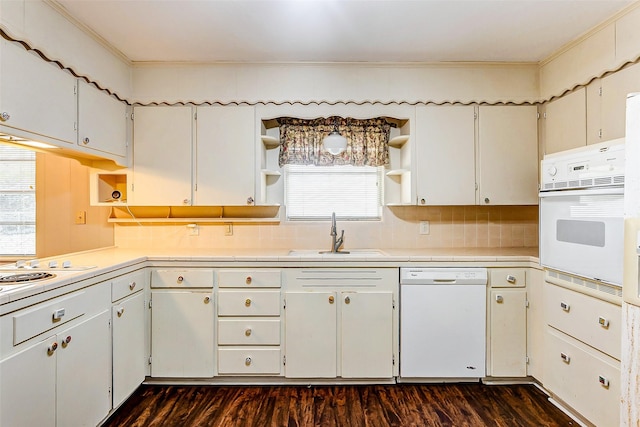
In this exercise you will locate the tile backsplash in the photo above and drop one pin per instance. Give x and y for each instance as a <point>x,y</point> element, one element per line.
<point>449,227</point>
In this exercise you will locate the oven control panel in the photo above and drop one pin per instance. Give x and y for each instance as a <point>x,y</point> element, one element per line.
<point>592,166</point>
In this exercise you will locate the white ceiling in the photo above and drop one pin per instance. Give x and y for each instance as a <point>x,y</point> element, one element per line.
<point>340,30</point>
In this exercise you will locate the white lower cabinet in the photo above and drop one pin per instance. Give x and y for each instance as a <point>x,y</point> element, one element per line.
<point>507,323</point>
<point>63,380</point>
<point>348,330</point>
<point>182,334</point>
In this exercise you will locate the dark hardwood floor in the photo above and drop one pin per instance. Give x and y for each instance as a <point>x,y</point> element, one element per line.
<point>456,405</point>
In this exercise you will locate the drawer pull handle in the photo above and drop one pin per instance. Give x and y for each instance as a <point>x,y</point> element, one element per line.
<point>603,322</point>
<point>511,279</point>
<point>53,347</point>
<point>58,314</point>
<point>331,299</point>
<point>247,361</point>
<point>247,302</point>
<point>603,381</point>
<point>132,286</point>
<point>499,299</point>
<point>248,280</point>
<point>180,279</point>
<point>207,300</point>
<point>247,332</point>
<point>565,358</point>
<point>120,311</point>
<point>347,300</point>
<point>564,306</point>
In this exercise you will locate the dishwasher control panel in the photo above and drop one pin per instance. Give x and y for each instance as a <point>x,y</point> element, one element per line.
<point>443,276</point>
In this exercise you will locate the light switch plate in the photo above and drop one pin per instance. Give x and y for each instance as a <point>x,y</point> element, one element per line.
<point>424,227</point>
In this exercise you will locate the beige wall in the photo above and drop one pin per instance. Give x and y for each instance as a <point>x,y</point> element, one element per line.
<point>62,189</point>
<point>450,227</point>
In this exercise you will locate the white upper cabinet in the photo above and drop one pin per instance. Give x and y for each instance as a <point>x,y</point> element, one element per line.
<point>607,103</point>
<point>161,156</point>
<point>566,122</point>
<point>102,125</point>
<point>38,99</point>
<point>225,156</point>
<point>508,155</point>
<point>445,155</point>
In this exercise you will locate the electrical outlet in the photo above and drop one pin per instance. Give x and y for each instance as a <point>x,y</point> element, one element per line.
<point>228,229</point>
<point>81,217</point>
<point>193,230</point>
<point>424,227</point>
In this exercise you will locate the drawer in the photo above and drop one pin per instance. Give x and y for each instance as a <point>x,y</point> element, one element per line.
<point>124,286</point>
<point>32,322</point>
<point>248,302</point>
<point>182,278</point>
<point>249,331</point>
<point>593,321</point>
<point>508,277</point>
<point>576,373</point>
<point>249,361</point>
<point>249,278</point>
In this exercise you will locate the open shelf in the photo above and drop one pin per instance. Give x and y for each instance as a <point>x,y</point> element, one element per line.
<point>398,141</point>
<point>270,141</point>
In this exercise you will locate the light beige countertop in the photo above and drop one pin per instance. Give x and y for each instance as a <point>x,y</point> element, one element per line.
<point>106,261</point>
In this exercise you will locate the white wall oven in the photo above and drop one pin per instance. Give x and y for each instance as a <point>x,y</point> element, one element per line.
<point>582,212</point>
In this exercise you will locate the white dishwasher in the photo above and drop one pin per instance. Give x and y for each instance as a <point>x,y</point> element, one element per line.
<point>442,324</point>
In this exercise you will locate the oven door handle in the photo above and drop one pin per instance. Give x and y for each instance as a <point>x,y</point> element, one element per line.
<point>585,192</point>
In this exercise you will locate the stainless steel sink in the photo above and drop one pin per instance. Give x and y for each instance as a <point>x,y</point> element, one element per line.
<point>349,253</point>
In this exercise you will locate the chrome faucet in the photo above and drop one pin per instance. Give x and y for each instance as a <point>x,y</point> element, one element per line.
<point>336,241</point>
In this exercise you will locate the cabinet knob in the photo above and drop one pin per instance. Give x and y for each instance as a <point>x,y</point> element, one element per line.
<point>180,279</point>
<point>603,322</point>
<point>247,361</point>
<point>604,382</point>
<point>499,299</point>
<point>487,200</point>
<point>250,200</point>
<point>564,306</point>
<point>120,311</point>
<point>185,201</point>
<point>85,140</point>
<point>347,300</point>
<point>207,299</point>
<point>4,116</point>
<point>248,280</point>
<point>423,201</point>
<point>247,332</point>
<point>66,341</point>
<point>132,285</point>
<point>247,302</point>
<point>511,278</point>
<point>565,358</point>
<point>331,299</point>
<point>53,347</point>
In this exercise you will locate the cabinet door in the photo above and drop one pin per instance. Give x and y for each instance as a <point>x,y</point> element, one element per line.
<point>445,155</point>
<point>129,359</point>
<point>367,334</point>
<point>508,326</point>
<point>161,156</point>
<point>27,382</point>
<point>508,155</point>
<point>102,122</point>
<point>566,122</point>
<point>37,96</point>
<point>225,162</point>
<point>84,372</point>
<point>310,335</point>
<point>182,342</point>
<point>615,88</point>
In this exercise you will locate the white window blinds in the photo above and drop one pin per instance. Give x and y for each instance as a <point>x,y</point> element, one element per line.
<point>17,201</point>
<point>352,192</point>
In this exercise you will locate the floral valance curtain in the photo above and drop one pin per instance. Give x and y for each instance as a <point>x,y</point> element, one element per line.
<point>301,141</point>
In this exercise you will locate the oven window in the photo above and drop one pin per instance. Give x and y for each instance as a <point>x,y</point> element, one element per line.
<point>590,233</point>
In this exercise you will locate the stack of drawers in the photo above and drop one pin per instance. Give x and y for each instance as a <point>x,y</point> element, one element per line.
<point>249,327</point>
<point>583,344</point>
